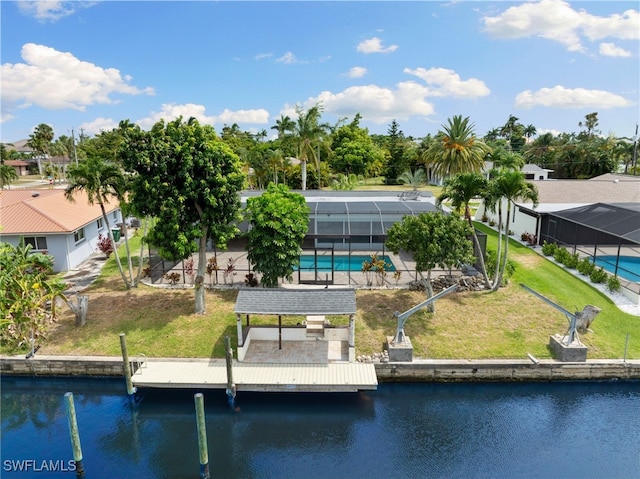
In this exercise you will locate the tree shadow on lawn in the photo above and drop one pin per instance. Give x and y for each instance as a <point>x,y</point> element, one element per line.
<point>219,349</point>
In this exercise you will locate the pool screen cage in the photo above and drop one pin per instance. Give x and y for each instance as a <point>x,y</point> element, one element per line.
<point>598,230</point>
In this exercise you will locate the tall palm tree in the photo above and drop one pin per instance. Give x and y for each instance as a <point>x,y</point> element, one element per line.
<point>284,125</point>
<point>309,133</point>
<point>511,186</point>
<point>40,141</point>
<point>100,181</point>
<point>456,149</point>
<point>460,190</point>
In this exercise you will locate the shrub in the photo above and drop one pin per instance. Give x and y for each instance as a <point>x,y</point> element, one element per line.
<point>490,264</point>
<point>529,238</point>
<point>598,275</point>
<point>484,218</point>
<point>549,249</point>
<point>173,277</point>
<point>561,255</point>
<point>251,280</point>
<point>571,261</point>
<point>492,222</point>
<point>105,245</point>
<point>585,266</point>
<point>613,283</point>
<point>189,268</point>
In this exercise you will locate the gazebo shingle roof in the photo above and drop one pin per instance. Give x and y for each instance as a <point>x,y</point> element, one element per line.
<point>296,302</point>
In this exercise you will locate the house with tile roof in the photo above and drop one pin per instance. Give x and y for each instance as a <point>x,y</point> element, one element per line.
<point>49,222</point>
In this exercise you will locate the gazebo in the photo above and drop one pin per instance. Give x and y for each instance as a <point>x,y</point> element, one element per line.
<point>314,304</point>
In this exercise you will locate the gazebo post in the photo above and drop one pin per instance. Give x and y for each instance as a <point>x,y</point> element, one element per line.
<point>239,326</point>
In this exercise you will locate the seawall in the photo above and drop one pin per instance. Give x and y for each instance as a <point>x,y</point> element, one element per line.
<point>425,370</point>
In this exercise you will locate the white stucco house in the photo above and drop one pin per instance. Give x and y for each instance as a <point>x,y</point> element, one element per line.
<point>45,219</point>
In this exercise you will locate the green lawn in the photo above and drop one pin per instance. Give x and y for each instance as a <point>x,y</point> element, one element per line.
<point>506,324</point>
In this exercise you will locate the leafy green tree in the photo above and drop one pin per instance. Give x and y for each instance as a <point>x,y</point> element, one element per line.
<point>402,153</point>
<point>27,287</point>
<point>460,190</point>
<point>434,239</point>
<point>189,180</point>
<point>456,149</point>
<point>279,220</point>
<point>101,181</point>
<point>353,150</point>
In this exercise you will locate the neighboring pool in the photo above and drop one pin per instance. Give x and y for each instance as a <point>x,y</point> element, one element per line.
<point>340,262</point>
<point>628,266</point>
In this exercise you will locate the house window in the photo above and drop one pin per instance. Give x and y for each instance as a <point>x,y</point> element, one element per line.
<point>38,243</point>
<point>115,216</point>
<point>78,235</point>
<point>100,224</point>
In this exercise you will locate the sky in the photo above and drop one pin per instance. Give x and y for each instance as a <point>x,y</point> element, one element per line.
<point>87,65</point>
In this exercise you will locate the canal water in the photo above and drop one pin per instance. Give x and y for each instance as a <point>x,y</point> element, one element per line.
<point>507,430</point>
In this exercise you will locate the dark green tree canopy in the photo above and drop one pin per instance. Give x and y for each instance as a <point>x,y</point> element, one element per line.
<point>188,179</point>
<point>279,221</point>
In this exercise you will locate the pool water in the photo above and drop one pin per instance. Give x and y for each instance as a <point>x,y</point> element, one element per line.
<point>628,266</point>
<point>340,262</point>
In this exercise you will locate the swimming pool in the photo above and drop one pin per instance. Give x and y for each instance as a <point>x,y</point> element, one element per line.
<point>628,266</point>
<point>340,262</point>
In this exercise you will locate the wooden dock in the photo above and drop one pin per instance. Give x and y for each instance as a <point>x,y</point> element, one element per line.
<point>263,377</point>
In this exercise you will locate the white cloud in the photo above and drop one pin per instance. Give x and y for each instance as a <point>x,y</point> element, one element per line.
<point>561,97</point>
<point>171,111</point>
<point>443,82</point>
<point>287,58</point>
<point>356,72</point>
<point>375,103</point>
<point>57,80</point>
<point>99,124</point>
<point>557,20</point>
<point>261,56</point>
<point>612,50</point>
<point>49,10</point>
<point>374,45</point>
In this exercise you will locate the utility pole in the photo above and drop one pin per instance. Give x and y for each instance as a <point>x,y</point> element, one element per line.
<point>75,154</point>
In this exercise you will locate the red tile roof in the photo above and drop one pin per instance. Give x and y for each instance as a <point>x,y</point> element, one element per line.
<point>46,211</point>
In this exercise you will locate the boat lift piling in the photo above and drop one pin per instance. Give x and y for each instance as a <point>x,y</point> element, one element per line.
<point>127,367</point>
<point>231,387</point>
<point>75,435</point>
<point>202,437</point>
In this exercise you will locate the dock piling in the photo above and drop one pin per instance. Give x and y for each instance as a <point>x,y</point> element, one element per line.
<point>202,437</point>
<point>75,435</point>
<point>231,387</point>
<point>127,366</point>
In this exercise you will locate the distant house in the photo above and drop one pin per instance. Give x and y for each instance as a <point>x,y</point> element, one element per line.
<point>49,222</point>
<point>21,166</point>
<point>534,172</point>
<point>559,195</point>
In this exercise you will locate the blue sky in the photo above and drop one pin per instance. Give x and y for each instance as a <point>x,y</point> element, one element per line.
<point>89,64</point>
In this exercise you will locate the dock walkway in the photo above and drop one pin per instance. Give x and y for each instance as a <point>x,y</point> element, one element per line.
<point>263,377</point>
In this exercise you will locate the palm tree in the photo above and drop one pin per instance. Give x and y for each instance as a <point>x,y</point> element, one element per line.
<point>40,141</point>
<point>7,175</point>
<point>456,149</point>
<point>284,125</point>
<point>309,133</point>
<point>460,190</point>
<point>511,186</point>
<point>414,179</point>
<point>100,181</point>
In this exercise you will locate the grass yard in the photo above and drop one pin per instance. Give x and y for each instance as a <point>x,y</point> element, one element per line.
<point>506,324</point>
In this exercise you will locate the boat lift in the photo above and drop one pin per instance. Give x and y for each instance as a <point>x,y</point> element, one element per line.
<point>578,320</point>
<point>400,338</point>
